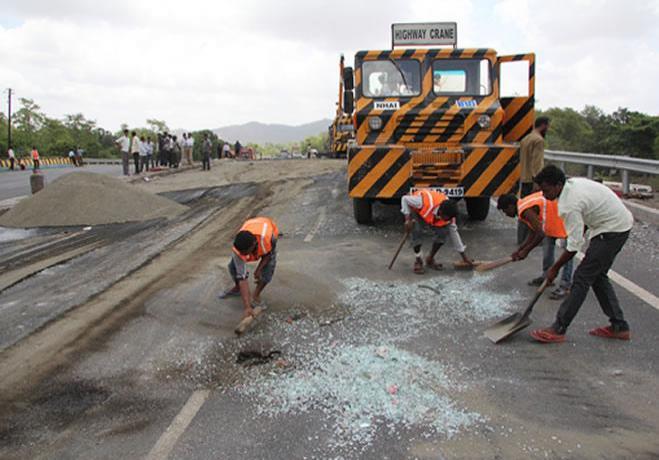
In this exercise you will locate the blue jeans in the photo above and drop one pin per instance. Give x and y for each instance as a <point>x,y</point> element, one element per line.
<point>548,249</point>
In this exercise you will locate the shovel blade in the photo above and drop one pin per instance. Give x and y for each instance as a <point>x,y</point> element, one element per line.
<point>507,327</point>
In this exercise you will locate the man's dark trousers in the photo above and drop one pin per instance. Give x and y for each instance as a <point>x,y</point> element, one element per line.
<point>592,271</point>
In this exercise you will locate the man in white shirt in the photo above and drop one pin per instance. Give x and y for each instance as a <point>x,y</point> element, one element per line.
<point>586,204</point>
<point>124,146</point>
<point>189,144</point>
<point>135,150</point>
<point>12,158</point>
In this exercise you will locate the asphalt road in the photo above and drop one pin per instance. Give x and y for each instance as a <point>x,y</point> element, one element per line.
<point>17,183</point>
<point>373,363</point>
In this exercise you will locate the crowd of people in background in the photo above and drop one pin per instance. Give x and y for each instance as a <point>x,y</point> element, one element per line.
<point>145,153</point>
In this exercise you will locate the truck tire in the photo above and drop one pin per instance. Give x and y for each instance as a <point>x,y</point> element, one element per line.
<point>478,207</point>
<point>363,209</point>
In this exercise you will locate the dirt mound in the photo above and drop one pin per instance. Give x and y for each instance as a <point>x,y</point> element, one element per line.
<point>84,198</point>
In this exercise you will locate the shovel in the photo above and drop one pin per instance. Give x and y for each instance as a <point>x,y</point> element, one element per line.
<point>515,322</point>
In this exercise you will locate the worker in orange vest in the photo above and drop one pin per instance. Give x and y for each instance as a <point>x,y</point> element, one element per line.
<point>256,240</point>
<point>541,217</point>
<point>35,158</point>
<point>439,212</point>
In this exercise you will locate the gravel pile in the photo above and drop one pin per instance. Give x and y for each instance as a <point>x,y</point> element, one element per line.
<point>84,198</point>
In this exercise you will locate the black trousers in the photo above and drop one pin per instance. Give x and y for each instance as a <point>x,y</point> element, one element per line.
<point>206,163</point>
<point>136,159</point>
<point>592,272</point>
<point>11,163</point>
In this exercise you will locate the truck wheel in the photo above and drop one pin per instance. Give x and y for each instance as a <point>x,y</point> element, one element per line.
<point>363,209</point>
<point>477,208</point>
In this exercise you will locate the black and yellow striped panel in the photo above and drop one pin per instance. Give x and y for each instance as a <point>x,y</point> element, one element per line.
<point>386,172</point>
<point>519,112</point>
<point>427,117</point>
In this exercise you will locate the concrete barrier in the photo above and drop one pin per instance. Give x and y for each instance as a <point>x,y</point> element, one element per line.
<point>643,213</point>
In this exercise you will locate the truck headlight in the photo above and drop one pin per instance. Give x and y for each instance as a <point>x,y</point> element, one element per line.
<point>484,121</point>
<point>375,123</point>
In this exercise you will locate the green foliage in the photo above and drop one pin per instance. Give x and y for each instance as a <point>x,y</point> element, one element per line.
<point>623,132</point>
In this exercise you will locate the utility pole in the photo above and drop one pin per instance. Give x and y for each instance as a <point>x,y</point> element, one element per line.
<point>9,122</point>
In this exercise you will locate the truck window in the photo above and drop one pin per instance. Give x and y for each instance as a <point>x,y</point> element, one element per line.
<point>391,78</point>
<point>461,77</point>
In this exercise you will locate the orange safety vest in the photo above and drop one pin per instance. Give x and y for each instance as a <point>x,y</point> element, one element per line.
<point>35,154</point>
<point>552,224</point>
<point>265,231</point>
<point>431,201</point>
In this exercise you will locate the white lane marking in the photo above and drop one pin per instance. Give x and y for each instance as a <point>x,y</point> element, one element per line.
<point>632,287</point>
<point>319,222</point>
<point>623,282</point>
<point>167,441</point>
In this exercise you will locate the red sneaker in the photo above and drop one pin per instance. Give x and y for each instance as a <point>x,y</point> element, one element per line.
<point>608,332</point>
<point>547,335</point>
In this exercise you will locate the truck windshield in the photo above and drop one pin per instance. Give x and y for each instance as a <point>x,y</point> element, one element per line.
<point>461,77</point>
<point>391,78</point>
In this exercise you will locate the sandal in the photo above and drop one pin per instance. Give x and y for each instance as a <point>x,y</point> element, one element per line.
<point>608,332</point>
<point>418,267</point>
<point>435,266</point>
<point>547,335</point>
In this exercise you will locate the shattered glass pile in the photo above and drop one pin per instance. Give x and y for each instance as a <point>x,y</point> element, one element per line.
<point>358,369</point>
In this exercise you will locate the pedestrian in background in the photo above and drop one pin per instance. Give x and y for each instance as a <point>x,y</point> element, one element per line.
<point>531,161</point>
<point>162,148</point>
<point>206,152</point>
<point>135,150</point>
<point>79,156</point>
<point>226,150</point>
<point>72,157</point>
<point>149,153</point>
<point>144,166</point>
<point>175,153</point>
<point>237,148</point>
<point>35,159</point>
<point>124,146</point>
<point>189,144</point>
<point>12,158</point>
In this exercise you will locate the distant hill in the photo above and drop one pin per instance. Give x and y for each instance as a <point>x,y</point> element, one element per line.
<point>261,133</point>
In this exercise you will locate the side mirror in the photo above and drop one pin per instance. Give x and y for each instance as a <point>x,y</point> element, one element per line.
<point>348,79</point>
<point>348,101</point>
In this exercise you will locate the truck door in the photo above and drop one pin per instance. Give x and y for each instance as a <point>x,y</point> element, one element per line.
<point>517,94</point>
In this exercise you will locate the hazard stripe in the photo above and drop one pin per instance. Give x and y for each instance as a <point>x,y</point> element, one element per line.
<point>357,161</point>
<point>377,189</point>
<point>506,171</point>
<point>400,183</point>
<point>511,183</point>
<point>375,172</point>
<point>480,158</point>
<point>499,160</point>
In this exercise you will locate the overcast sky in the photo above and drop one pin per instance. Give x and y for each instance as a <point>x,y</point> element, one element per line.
<point>201,64</point>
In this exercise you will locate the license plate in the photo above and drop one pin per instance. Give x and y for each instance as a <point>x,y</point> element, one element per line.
<point>451,192</point>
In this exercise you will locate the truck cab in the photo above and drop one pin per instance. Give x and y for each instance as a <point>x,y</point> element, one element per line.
<point>435,118</point>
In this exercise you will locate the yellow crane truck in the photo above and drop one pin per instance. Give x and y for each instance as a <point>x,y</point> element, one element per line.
<point>342,130</point>
<point>435,117</point>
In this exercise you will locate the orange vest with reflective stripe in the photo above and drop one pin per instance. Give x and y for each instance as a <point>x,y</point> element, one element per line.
<point>548,216</point>
<point>431,201</point>
<point>265,230</point>
<point>35,154</point>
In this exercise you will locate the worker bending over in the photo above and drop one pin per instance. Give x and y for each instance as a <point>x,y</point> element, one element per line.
<point>541,217</point>
<point>439,212</point>
<point>256,240</point>
<point>583,203</point>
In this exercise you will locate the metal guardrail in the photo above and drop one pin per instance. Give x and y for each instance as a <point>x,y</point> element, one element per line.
<point>592,160</point>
